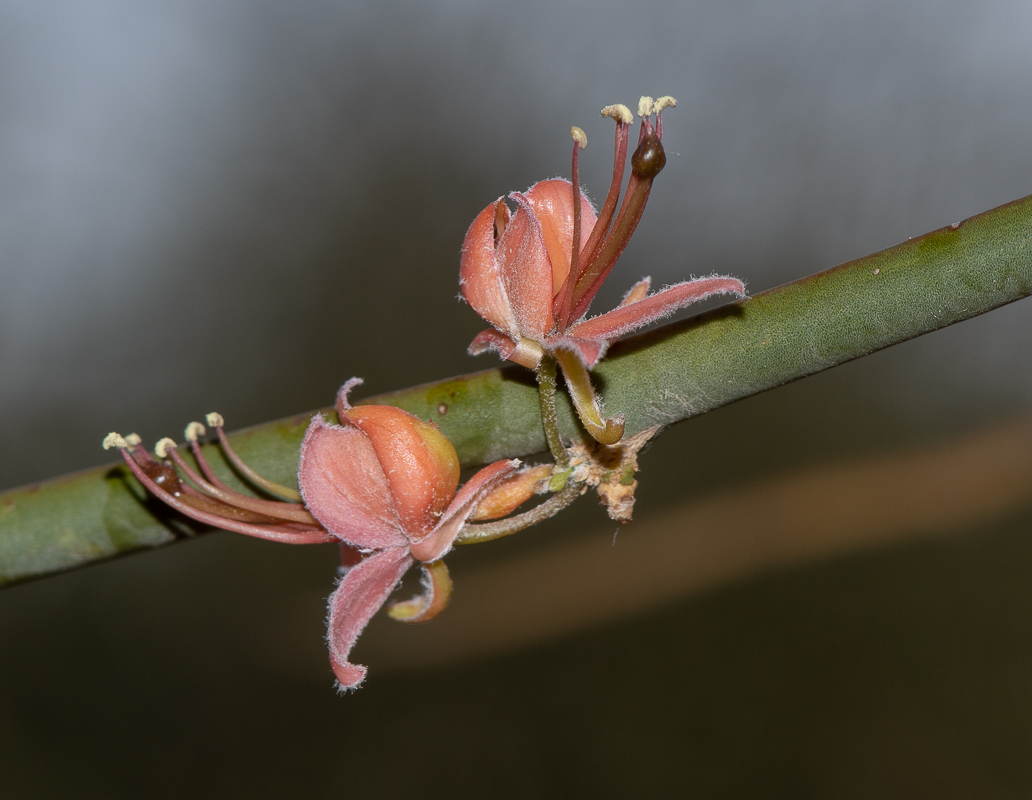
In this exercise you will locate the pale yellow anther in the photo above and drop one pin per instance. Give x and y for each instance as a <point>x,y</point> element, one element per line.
<point>114,440</point>
<point>666,101</point>
<point>619,112</point>
<point>645,106</point>
<point>193,431</point>
<point>133,440</point>
<point>579,136</point>
<point>215,420</point>
<point>162,446</point>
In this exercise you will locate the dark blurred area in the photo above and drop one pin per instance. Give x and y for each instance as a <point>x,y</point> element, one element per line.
<point>238,206</point>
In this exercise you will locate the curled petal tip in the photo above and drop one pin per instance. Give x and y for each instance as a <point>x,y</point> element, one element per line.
<point>618,111</point>
<point>437,591</point>
<point>343,403</point>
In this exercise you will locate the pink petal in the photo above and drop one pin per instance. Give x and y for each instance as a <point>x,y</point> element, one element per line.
<point>491,340</point>
<point>437,591</point>
<point>527,271</point>
<point>589,351</point>
<point>359,595</point>
<point>345,487</point>
<point>440,540</point>
<point>552,203</point>
<point>421,465</point>
<point>480,279</point>
<point>526,352</point>
<point>630,317</point>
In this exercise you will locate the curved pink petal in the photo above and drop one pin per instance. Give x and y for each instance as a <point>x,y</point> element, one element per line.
<point>638,314</point>
<point>527,271</point>
<point>440,540</point>
<point>345,487</point>
<point>480,279</point>
<point>491,340</point>
<point>360,594</point>
<point>552,203</point>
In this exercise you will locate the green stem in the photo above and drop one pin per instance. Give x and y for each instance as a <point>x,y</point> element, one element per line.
<point>668,374</point>
<point>546,378</point>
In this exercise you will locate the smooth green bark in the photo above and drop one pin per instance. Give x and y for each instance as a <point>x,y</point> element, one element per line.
<point>660,377</point>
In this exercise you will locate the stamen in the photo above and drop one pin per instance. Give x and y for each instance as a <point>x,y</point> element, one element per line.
<point>162,446</point>
<point>648,160</point>
<point>579,136</point>
<point>646,106</point>
<point>562,305</point>
<point>276,533</point>
<point>619,112</point>
<point>286,512</point>
<point>666,101</point>
<point>115,440</point>
<point>215,421</point>
<point>133,440</point>
<point>575,242</point>
<point>193,431</point>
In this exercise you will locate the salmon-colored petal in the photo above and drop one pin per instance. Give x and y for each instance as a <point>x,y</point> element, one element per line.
<point>525,352</point>
<point>480,278</point>
<point>630,317</point>
<point>511,493</point>
<point>552,202</point>
<point>345,487</point>
<point>440,540</point>
<point>527,271</point>
<point>421,465</point>
<point>360,594</point>
<point>589,351</point>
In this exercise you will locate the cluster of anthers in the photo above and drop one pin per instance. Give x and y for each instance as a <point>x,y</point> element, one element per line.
<point>207,499</point>
<point>385,484</point>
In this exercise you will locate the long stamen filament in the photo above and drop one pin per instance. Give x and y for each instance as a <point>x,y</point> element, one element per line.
<point>284,511</point>
<point>271,532</point>
<point>215,421</point>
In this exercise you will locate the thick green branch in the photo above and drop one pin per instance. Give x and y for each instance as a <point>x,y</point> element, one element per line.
<point>660,377</point>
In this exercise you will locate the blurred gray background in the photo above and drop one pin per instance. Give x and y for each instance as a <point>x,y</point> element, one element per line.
<point>237,206</point>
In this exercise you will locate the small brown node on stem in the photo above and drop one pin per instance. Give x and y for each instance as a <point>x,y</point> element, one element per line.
<point>610,470</point>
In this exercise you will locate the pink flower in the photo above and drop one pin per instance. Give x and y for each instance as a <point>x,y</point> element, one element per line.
<point>384,482</point>
<point>533,274</point>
